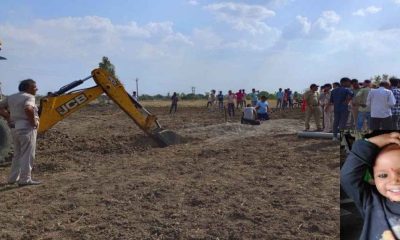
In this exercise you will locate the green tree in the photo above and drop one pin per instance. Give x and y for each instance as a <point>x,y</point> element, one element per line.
<point>379,78</point>
<point>108,66</point>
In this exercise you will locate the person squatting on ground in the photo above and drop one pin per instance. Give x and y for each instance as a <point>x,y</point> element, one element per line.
<point>254,97</point>
<point>220,99</point>
<point>211,99</point>
<point>327,108</point>
<point>174,103</point>
<point>379,204</point>
<point>394,82</point>
<point>231,104</point>
<point>312,108</point>
<point>249,115</point>
<point>23,119</point>
<point>381,101</point>
<point>340,98</point>
<point>262,109</point>
<point>364,111</point>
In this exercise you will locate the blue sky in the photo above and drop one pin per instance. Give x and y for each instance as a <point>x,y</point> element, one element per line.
<point>176,44</point>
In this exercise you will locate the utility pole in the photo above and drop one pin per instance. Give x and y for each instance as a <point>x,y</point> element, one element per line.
<point>137,87</point>
<point>193,90</point>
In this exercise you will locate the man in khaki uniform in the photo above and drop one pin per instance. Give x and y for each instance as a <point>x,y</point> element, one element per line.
<point>327,108</point>
<point>312,107</point>
<point>364,111</point>
<point>22,115</point>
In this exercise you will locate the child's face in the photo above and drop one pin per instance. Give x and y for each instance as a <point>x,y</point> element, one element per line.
<point>387,173</point>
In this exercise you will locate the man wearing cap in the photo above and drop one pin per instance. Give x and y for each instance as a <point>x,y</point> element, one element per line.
<point>340,98</point>
<point>312,107</point>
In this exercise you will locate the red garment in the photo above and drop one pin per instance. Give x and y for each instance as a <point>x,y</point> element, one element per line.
<point>239,96</point>
<point>303,105</point>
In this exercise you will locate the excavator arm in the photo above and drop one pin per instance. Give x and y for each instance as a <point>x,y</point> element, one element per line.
<point>59,105</point>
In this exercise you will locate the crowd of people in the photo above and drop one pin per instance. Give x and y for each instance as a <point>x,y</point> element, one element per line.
<point>350,104</point>
<point>252,113</point>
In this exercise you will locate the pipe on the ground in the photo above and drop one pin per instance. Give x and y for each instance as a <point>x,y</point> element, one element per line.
<point>315,135</point>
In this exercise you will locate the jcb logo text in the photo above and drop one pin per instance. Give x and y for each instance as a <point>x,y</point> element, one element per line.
<point>71,104</point>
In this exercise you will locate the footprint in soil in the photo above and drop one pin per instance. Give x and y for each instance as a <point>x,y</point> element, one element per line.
<point>49,167</point>
<point>236,215</point>
<point>194,202</point>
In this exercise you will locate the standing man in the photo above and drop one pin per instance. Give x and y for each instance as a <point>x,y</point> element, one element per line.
<point>134,96</point>
<point>327,108</point>
<point>340,98</point>
<point>23,119</point>
<point>355,87</point>
<point>220,98</point>
<point>174,103</point>
<point>290,98</point>
<point>381,101</point>
<point>211,99</point>
<point>394,82</point>
<point>254,97</point>
<point>311,97</point>
<point>239,99</point>
<point>364,111</point>
<point>231,103</point>
<point>279,98</point>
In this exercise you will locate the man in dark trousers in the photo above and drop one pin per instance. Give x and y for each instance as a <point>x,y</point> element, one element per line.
<point>340,98</point>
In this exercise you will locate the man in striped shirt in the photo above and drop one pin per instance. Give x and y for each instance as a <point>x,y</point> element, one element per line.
<point>394,82</point>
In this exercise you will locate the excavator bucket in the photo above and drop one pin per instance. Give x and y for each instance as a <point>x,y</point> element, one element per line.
<point>166,137</point>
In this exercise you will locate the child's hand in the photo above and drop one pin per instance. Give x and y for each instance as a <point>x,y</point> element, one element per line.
<point>385,139</point>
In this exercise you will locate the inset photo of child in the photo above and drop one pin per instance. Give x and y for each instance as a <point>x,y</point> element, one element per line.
<point>370,188</point>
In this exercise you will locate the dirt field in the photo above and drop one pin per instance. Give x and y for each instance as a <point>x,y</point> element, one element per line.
<point>104,179</point>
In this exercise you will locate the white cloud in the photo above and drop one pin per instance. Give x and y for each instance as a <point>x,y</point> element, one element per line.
<point>377,43</point>
<point>302,27</point>
<point>396,1</point>
<point>242,17</point>
<point>207,39</point>
<point>369,10</point>
<point>305,23</point>
<point>280,3</point>
<point>193,2</point>
<point>327,21</point>
<point>80,36</point>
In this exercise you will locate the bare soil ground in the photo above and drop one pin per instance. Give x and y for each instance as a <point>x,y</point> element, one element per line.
<point>104,179</point>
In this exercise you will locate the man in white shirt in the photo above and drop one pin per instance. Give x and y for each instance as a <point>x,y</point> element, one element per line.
<point>250,115</point>
<point>21,112</point>
<point>381,100</point>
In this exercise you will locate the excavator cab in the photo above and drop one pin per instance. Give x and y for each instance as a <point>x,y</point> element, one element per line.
<point>60,104</point>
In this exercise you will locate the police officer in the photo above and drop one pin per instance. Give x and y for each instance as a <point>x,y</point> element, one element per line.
<point>312,107</point>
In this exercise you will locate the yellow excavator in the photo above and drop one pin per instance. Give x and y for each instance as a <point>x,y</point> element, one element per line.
<point>58,105</point>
